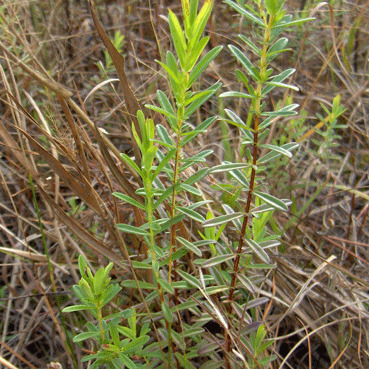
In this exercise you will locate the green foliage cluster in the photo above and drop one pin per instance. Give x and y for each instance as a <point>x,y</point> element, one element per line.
<point>226,271</point>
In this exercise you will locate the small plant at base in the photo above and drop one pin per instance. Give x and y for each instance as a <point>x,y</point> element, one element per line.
<point>95,292</point>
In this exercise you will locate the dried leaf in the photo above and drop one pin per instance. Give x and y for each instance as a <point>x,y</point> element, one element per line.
<point>84,192</point>
<point>118,60</point>
<point>94,244</point>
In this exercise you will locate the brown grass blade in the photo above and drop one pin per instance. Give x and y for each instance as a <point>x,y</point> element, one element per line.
<point>118,175</point>
<point>94,244</point>
<point>132,103</point>
<point>15,150</point>
<point>54,86</point>
<point>76,136</point>
<point>84,192</point>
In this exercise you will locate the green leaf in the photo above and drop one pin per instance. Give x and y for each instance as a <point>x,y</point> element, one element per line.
<point>271,6</point>
<point>160,110</point>
<point>198,204</point>
<point>271,200</point>
<point>164,196</point>
<point>179,253</point>
<point>222,219</point>
<point>110,293</point>
<point>132,229</point>
<point>251,17</point>
<point>166,285</point>
<point>191,213</point>
<point>275,80</point>
<point>226,167</point>
<point>210,91</point>
<point>202,65</point>
<point>246,283</point>
<point>217,260</point>
<point>70,309</point>
<point>200,23</point>
<point>235,118</point>
<point>130,283</point>
<point>282,85</point>
<point>164,135</point>
<point>129,199</point>
<point>197,97</point>
<point>190,246</point>
<point>141,265</point>
<point>277,47</point>
<point>250,44</point>
<point>166,312</point>
<point>196,53</point>
<point>283,112</point>
<point>131,163</point>
<point>283,23</point>
<point>269,244</point>
<point>258,250</point>
<point>190,189</point>
<point>178,38</point>
<point>236,94</point>
<point>196,176</point>
<point>273,154</point>
<point>190,279</point>
<point>198,158</point>
<point>189,10</point>
<point>169,155</point>
<point>86,335</point>
<point>167,106</point>
<point>240,177</point>
<point>279,149</point>
<point>244,60</point>
<point>169,222</point>
<point>127,361</point>
<point>201,128</point>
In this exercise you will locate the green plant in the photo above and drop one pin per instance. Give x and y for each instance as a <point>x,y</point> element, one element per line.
<point>94,293</point>
<point>171,195</point>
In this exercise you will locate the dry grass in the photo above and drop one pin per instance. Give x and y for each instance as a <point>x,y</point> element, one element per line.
<point>319,292</point>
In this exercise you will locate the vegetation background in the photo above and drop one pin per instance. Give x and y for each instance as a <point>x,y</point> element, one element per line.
<point>319,314</point>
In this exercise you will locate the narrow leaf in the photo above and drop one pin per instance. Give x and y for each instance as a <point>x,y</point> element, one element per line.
<point>197,103</point>
<point>236,94</point>
<point>283,112</point>
<point>167,106</point>
<point>202,65</point>
<point>130,283</point>
<point>234,117</point>
<point>244,60</point>
<point>191,189</point>
<point>178,38</point>
<point>258,250</point>
<point>221,219</point>
<point>131,229</point>
<point>190,279</point>
<point>250,44</point>
<point>251,17</point>
<point>279,149</point>
<point>191,213</point>
<point>271,200</point>
<point>225,167</point>
<point>85,335</point>
<point>217,260</point>
<point>190,246</point>
<point>164,135</point>
<point>129,199</point>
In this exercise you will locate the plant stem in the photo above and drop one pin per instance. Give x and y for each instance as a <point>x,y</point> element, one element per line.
<point>255,112</point>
